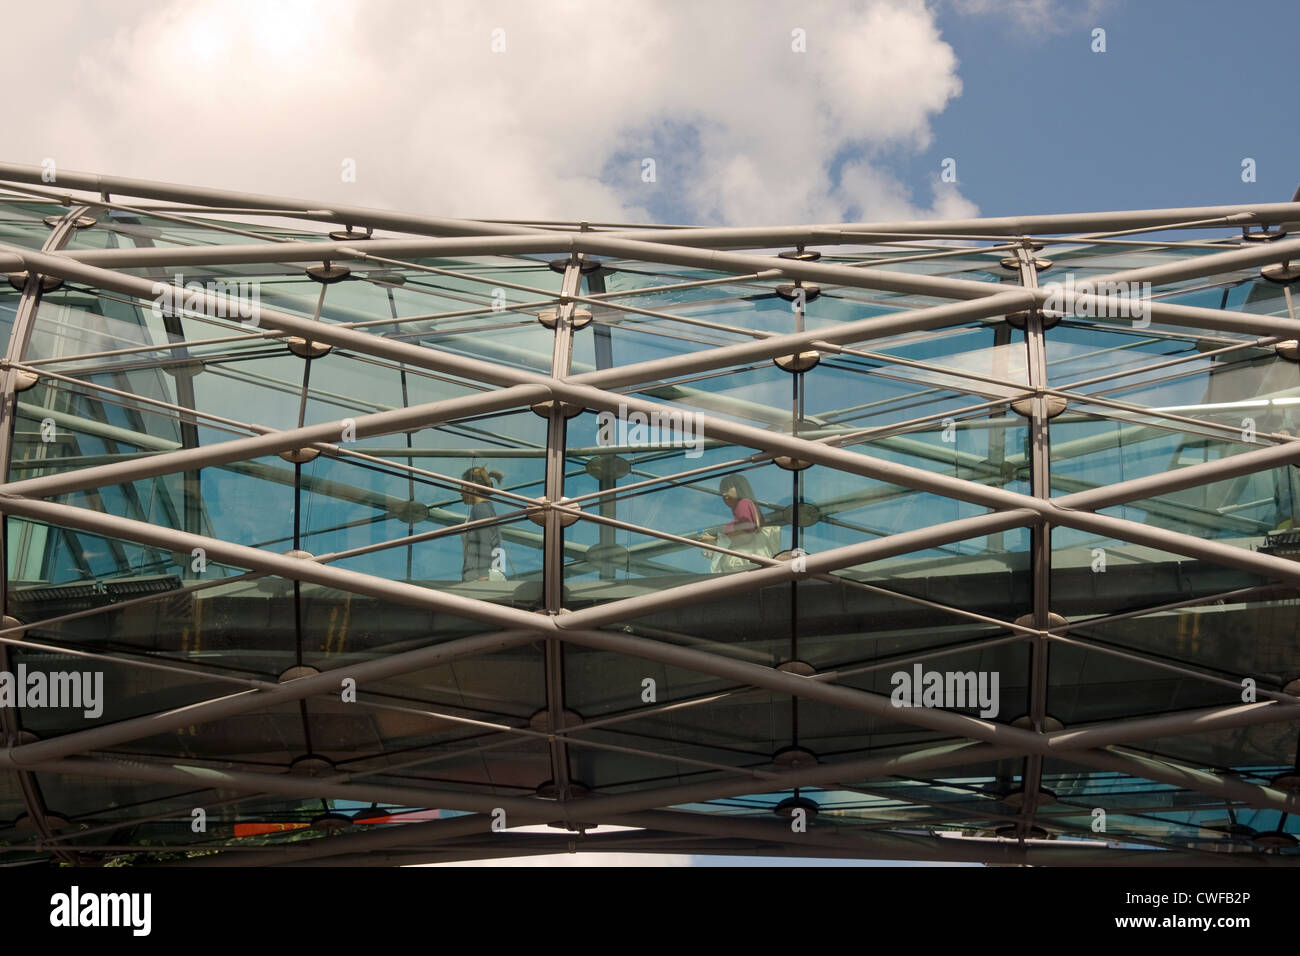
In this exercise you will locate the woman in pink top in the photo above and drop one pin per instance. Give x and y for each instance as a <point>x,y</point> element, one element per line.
<point>746,520</point>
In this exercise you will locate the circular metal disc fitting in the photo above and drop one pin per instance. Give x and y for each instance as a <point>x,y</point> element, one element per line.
<point>544,408</point>
<point>791,464</point>
<point>1050,724</point>
<point>304,348</point>
<point>81,222</point>
<point>794,758</point>
<point>1288,782</point>
<point>1263,234</point>
<point>310,765</point>
<point>300,670</point>
<point>1289,349</point>
<point>549,791</point>
<point>327,273</point>
<point>787,807</point>
<point>1013,262</point>
<point>184,369</point>
<point>1274,840</point>
<point>537,513</point>
<point>56,822</point>
<point>299,456</point>
<point>550,318</point>
<point>1016,798</point>
<point>585,265</point>
<point>1281,272</point>
<point>48,283</point>
<point>802,668</point>
<point>1055,405</point>
<point>790,291</point>
<point>1018,320</point>
<point>1053,620</point>
<point>607,467</point>
<point>800,362</point>
<point>23,379</point>
<point>541,721</point>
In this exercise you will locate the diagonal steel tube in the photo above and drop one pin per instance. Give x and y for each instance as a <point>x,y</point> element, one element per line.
<point>110,735</point>
<point>272,319</point>
<point>1067,745</point>
<point>842,274</point>
<point>293,568</point>
<point>326,436</point>
<point>176,192</point>
<point>753,674</point>
<point>296,786</point>
<point>422,356</point>
<point>845,460</point>
<point>941,721</point>
<point>1240,214</point>
<point>867,466</point>
<point>738,263</point>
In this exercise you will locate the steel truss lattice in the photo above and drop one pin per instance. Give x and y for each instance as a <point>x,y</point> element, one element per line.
<point>956,446</point>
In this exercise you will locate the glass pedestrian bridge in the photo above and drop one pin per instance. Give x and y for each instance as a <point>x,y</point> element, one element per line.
<point>329,498</point>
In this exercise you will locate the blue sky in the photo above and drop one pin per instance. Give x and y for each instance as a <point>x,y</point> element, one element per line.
<point>1185,90</point>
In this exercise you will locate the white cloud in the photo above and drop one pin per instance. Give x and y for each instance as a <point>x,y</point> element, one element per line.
<point>272,95</point>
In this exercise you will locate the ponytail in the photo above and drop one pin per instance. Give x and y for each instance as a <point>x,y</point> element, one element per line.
<point>481,476</point>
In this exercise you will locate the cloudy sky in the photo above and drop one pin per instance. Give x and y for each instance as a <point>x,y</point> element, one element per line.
<point>751,112</point>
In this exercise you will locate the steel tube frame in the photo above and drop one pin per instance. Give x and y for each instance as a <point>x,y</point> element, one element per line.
<point>1061,510</point>
<point>941,721</point>
<point>1040,547</point>
<point>843,275</point>
<point>845,460</point>
<point>24,318</point>
<point>326,437</point>
<point>421,356</point>
<point>109,735</point>
<point>175,192</point>
<point>1048,509</point>
<point>740,264</point>
<point>1254,213</point>
<point>296,569</point>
